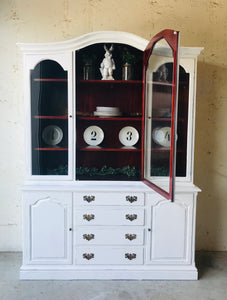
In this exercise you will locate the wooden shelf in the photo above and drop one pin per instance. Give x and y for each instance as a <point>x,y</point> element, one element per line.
<point>164,150</point>
<point>52,117</point>
<point>160,149</point>
<point>160,83</point>
<point>99,149</point>
<point>111,118</point>
<point>51,149</point>
<point>50,79</point>
<point>110,149</point>
<point>161,119</point>
<point>166,119</point>
<point>112,81</point>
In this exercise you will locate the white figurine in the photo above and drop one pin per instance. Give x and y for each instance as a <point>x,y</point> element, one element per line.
<point>107,65</point>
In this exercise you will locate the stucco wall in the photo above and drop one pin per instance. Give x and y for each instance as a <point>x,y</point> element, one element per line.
<point>201,23</point>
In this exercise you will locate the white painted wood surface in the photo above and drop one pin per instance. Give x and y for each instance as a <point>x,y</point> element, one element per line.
<point>47,227</point>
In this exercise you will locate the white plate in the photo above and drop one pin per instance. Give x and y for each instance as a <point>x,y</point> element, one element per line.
<point>108,109</point>
<point>106,114</point>
<point>93,135</point>
<point>52,135</point>
<point>162,136</point>
<point>128,136</point>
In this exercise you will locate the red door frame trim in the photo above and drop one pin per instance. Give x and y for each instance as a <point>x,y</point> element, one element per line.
<point>172,38</point>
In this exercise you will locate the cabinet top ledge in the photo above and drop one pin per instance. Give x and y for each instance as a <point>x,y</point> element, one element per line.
<point>98,37</point>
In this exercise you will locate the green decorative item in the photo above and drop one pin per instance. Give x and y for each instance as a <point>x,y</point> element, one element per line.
<point>88,66</point>
<point>61,170</point>
<point>128,60</point>
<point>89,59</point>
<point>160,171</point>
<point>108,171</point>
<point>128,57</point>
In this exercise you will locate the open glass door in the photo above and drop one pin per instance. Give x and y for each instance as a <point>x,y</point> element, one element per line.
<point>160,112</point>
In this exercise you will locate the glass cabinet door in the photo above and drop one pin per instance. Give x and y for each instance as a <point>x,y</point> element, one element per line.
<point>160,112</point>
<point>49,119</point>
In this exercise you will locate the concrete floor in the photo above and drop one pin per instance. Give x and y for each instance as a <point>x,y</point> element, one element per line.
<point>212,284</point>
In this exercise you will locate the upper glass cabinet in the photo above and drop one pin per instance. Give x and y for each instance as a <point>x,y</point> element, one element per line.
<point>109,111</point>
<point>49,119</point>
<point>160,111</point>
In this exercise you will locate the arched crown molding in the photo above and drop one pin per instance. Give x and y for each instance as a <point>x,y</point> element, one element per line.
<point>99,37</point>
<point>86,40</point>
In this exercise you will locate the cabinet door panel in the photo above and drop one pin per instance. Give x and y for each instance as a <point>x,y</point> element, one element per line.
<point>48,217</point>
<point>170,237</point>
<point>49,118</point>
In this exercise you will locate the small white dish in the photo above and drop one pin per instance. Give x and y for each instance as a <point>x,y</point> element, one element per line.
<point>107,114</point>
<point>108,109</point>
<point>128,147</point>
<point>128,136</point>
<point>93,135</point>
<point>52,135</point>
<point>93,147</point>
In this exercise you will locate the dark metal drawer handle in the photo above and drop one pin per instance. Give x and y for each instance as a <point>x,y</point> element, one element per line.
<point>131,217</point>
<point>89,198</point>
<point>130,236</point>
<point>131,199</point>
<point>88,237</point>
<point>130,256</point>
<point>88,217</point>
<point>88,256</point>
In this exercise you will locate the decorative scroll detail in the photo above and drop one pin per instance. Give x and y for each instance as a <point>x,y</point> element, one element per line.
<point>131,199</point>
<point>88,237</point>
<point>131,217</point>
<point>130,236</point>
<point>88,256</point>
<point>88,217</point>
<point>89,198</point>
<point>130,256</point>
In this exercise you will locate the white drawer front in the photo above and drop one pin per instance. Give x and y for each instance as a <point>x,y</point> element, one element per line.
<point>114,236</point>
<point>109,216</point>
<point>109,198</point>
<point>109,255</point>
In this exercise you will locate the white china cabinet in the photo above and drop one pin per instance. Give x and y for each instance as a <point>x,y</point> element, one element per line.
<point>109,192</point>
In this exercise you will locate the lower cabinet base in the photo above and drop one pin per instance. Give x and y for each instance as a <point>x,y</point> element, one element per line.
<point>107,235</point>
<point>154,273</point>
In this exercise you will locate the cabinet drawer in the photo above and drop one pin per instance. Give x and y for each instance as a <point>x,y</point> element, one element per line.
<point>109,216</point>
<point>109,198</point>
<point>109,255</point>
<point>114,236</point>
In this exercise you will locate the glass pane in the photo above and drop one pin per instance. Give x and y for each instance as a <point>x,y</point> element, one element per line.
<point>49,119</point>
<point>182,123</point>
<point>158,114</point>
